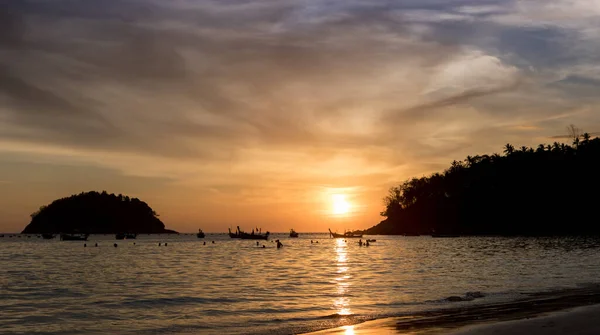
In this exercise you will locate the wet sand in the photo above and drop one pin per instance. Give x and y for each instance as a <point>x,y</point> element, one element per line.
<point>576,321</point>
<point>573,311</point>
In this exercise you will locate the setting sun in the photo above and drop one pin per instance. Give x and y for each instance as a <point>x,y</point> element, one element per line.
<point>340,205</point>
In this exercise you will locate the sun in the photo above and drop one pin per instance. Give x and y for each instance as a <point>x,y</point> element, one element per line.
<point>340,205</point>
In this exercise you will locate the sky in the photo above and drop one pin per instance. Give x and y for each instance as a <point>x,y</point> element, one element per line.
<point>275,113</point>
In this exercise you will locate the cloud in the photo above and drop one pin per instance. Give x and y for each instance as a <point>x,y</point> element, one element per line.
<point>213,93</point>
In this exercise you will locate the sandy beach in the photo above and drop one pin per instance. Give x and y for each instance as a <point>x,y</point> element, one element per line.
<point>575,321</point>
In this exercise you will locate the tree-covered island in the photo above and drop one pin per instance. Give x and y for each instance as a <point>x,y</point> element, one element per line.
<point>548,190</point>
<point>96,213</point>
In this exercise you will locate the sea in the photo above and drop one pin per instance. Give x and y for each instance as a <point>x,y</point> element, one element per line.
<point>219,285</point>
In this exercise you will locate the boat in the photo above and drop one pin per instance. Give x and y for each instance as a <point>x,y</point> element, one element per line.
<point>125,236</point>
<point>200,234</point>
<point>246,236</point>
<point>74,237</point>
<point>249,236</point>
<point>48,236</point>
<point>258,235</point>
<point>293,233</point>
<point>236,234</point>
<point>347,234</point>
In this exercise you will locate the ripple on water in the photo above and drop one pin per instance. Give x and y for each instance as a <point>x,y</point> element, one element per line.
<point>232,287</point>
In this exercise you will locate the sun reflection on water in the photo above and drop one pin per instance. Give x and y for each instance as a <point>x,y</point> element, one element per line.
<point>342,302</point>
<point>348,330</point>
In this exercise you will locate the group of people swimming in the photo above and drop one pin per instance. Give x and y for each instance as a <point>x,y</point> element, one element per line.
<point>279,244</point>
<point>360,243</point>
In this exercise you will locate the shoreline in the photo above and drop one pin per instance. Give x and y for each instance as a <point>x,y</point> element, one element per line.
<point>571,311</point>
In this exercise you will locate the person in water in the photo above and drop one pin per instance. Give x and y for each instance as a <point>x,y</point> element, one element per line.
<point>279,244</point>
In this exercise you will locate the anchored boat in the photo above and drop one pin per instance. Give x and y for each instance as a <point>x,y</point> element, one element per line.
<point>125,236</point>
<point>74,237</point>
<point>347,234</point>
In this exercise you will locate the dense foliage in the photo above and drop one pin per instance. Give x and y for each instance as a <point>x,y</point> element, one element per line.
<point>95,213</point>
<point>548,190</point>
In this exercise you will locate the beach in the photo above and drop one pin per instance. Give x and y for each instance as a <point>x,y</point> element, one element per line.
<point>575,321</point>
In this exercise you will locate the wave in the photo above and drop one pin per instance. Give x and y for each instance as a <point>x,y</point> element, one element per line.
<point>185,300</point>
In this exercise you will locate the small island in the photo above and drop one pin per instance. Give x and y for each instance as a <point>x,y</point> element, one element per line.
<point>550,190</point>
<point>96,213</point>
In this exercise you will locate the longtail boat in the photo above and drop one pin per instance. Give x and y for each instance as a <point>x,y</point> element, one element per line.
<point>347,234</point>
<point>258,235</point>
<point>200,234</point>
<point>236,234</point>
<point>74,237</point>
<point>125,236</point>
<point>293,233</point>
<point>253,236</point>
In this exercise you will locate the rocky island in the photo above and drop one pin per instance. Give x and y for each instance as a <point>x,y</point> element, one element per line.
<point>96,213</point>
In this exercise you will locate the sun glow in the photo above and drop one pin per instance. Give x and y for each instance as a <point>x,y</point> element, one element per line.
<point>340,205</point>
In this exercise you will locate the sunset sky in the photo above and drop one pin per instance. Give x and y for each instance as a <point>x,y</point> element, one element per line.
<point>279,114</point>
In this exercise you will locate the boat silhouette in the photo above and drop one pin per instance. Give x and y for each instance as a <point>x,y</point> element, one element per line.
<point>74,237</point>
<point>125,236</point>
<point>347,234</point>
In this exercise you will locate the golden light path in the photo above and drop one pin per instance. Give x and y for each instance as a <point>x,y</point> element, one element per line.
<point>342,303</point>
<point>348,330</point>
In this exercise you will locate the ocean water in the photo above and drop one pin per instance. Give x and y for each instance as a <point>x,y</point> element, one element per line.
<point>234,287</point>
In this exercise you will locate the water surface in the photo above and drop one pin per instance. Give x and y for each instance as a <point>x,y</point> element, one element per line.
<point>234,287</point>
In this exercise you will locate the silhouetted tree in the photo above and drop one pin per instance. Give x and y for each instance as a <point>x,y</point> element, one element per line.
<point>509,149</point>
<point>547,191</point>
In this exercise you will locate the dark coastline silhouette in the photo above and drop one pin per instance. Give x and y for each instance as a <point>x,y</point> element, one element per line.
<point>543,191</point>
<point>96,213</point>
